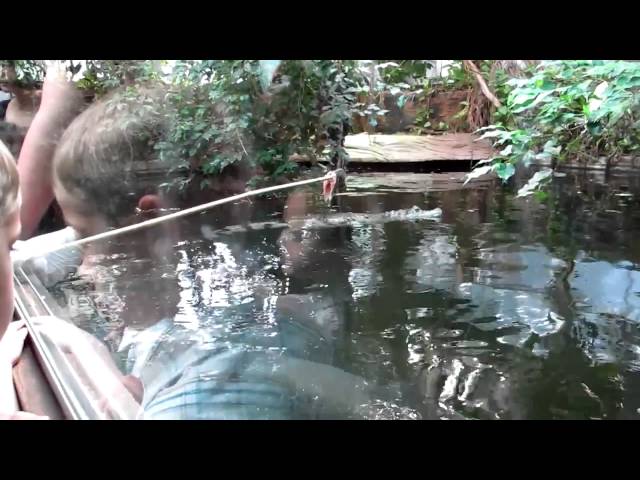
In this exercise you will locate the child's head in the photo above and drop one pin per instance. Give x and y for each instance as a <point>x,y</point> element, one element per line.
<point>9,195</point>
<point>9,231</point>
<point>101,181</point>
<point>102,157</point>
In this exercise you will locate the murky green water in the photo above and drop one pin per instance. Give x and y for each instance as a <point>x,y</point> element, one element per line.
<point>504,308</point>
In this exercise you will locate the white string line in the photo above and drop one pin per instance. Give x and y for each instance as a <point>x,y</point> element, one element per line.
<point>182,213</point>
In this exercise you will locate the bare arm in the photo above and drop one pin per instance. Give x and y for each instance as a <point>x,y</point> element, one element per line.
<point>92,361</point>
<point>10,349</point>
<point>8,401</point>
<point>60,104</point>
<point>6,287</point>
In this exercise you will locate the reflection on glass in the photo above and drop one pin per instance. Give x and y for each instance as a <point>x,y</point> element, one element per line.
<point>433,301</point>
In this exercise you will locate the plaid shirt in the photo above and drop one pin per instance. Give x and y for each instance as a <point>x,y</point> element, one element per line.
<point>200,374</point>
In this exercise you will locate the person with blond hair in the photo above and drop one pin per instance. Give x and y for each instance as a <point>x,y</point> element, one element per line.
<point>12,334</point>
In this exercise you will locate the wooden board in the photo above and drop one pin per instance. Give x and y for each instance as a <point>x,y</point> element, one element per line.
<point>376,182</point>
<point>365,148</point>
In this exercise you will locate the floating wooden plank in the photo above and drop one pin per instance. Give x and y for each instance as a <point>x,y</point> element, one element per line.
<point>365,148</point>
<point>376,182</point>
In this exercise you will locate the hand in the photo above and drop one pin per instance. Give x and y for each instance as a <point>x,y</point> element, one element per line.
<point>12,342</point>
<point>114,391</point>
<point>59,95</point>
<point>69,338</point>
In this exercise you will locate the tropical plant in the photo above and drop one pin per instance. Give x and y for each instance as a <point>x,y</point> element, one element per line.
<point>230,112</point>
<point>22,73</point>
<point>566,110</point>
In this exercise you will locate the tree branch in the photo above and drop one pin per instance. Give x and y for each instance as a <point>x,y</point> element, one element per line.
<point>483,85</point>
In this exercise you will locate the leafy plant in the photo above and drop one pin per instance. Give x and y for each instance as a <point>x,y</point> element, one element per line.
<point>228,112</point>
<point>101,76</point>
<point>567,109</point>
<point>235,112</point>
<point>412,72</point>
<point>403,79</point>
<point>422,121</point>
<point>22,73</point>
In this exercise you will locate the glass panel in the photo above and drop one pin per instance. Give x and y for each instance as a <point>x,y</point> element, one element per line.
<point>84,388</point>
<point>203,319</point>
<point>412,294</point>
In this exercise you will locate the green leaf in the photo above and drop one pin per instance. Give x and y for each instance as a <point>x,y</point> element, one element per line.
<point>616,115</point>
<point>478,172</point>
<point>486,160</point>
<point>594,128</point>
<point>599,91</point>
<point>542,96</point>
<point>490,127</point>
<point>540,195</point>
<point>504,171</point>
<point>522,96</point>
<point>545,84</point>
<point>535,182</point>
<point>493,134</point>
<point>528,158</point>
<point>551,148</point>
<point>506,151</point>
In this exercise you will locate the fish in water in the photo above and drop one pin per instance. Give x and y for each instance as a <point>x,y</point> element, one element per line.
<point>330,221</point>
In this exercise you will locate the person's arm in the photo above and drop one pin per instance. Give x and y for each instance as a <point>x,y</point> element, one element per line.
<point>92,360</point>
<point>60,104</point>
<point>6,287</point>
<point>8,403</point>
<point>10,348</point>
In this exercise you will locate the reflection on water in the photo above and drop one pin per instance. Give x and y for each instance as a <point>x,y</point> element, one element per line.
<point>500,308</point>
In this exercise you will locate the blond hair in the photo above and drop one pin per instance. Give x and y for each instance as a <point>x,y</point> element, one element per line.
<point>103,154</point>
<point>9,183</point>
